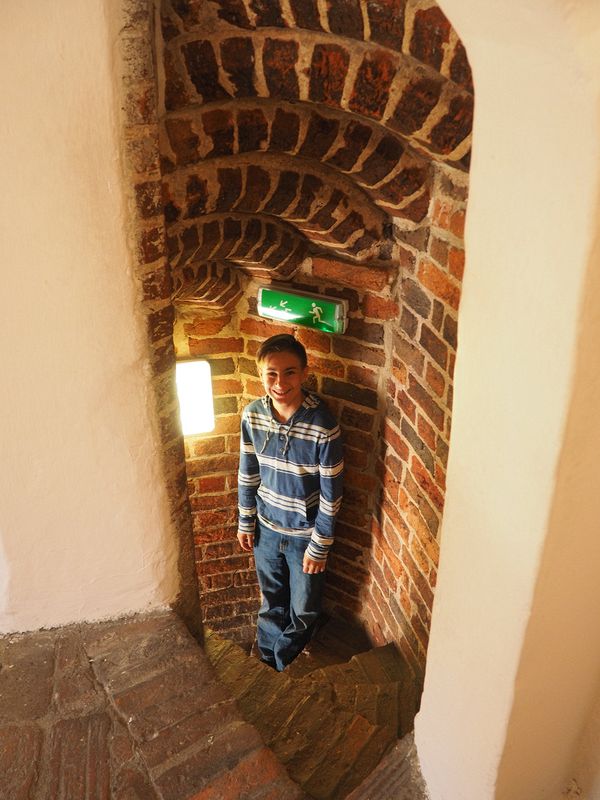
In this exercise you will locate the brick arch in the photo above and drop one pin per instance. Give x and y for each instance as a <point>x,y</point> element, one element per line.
<point>328,209</point>
<point>258,244</point>
<point>402,94</point>
<point>378,161</point>
<point>209,285</point>
<point>402,25</point>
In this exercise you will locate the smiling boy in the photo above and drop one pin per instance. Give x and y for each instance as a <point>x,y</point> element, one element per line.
<point>290,491</point>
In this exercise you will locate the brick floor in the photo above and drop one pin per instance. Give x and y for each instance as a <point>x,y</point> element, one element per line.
<point>125,710</point>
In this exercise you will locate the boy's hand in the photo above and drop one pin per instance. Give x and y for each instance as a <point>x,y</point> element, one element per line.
<point>246,540</point>
<point>312,567</point>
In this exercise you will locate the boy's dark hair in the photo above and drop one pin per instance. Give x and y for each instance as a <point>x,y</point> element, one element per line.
<point>282,343</point>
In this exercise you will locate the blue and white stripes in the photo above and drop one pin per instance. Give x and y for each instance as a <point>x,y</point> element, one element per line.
<point>290,474</point>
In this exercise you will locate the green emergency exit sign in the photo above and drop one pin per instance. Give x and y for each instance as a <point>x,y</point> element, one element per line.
<point>297,308</point>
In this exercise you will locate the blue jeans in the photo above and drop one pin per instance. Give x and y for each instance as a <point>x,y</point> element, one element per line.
<point>291,599</point>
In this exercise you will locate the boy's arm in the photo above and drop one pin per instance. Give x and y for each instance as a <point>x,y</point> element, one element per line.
<point>331,469</point>
<point>248,483</point>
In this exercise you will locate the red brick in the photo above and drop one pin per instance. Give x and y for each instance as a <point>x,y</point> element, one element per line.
<point>205,535</point>
<point>208,446</point>
<point>211,501</point>
<point>206,327</point>
<point>157,285</point>
<point>230,610</point>
<point>417,578</point>
<point>430,35</point>
<point>20,749</point>
<point>219,566</point>
<point>215,757</point>
<point>457,223</point>
<point>353,418</point>
<point>258,773</point>
<point>346,348</point>
<point>227,424</point>
<point>422,397</point>
<point>314,340</point>
<point>151,244</point>
<point>328,74</point>
<point>202,347</point>
<point>436,348</point>
<point>435,379</point>
<point>391,485</point>
<point>78,758</point>
<point>233,444</point>
<point>353,275</point>
<point>407,405</point>
<point>226,386</point>
<point>359,440</point>
<point>445,215</point>
<point>399,372</point>
<point>201,467</point>
<point>398,524</point>
<point>361,480</point>
<point>148,196</point>
<point>354,535</point>
<point>362,376</point>
<point>372,85</point>
<point>253,388</point>
<point>423,478</point>
<point>438,250</point>
<point>456,262</point>
<point>440,477</point>
<point>215,517</point>
<point>426,432</point>
<point>394,439</point>
<point>279,61</point>
<point>355,458</point>
<point>325,366</point>
<point>346,391</point>
<point>410,354</point>
<point>262,328</point>
<point>439,283</point>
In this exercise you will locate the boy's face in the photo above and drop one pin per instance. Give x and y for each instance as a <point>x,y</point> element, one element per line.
<point>282,376</point>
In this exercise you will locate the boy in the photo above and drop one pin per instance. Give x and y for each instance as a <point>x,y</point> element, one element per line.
<point>290,490</point>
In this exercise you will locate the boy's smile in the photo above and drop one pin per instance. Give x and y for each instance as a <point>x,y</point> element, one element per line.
<point>282,376</point>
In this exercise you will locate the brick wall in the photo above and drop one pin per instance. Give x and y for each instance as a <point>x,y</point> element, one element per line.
<point>415,431</point>
<point>389,381</point>
<point>324,145</point>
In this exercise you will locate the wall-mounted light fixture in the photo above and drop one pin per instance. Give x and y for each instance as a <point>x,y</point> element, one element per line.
<point>313,311</point>
<point>194,392</point>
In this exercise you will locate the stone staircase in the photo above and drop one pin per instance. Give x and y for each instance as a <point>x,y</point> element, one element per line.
<point>329,726</point>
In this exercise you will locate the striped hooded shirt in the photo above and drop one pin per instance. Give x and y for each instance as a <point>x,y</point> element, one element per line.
<point>290,475</point>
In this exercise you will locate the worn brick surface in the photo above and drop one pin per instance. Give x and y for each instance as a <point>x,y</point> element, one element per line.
<point>169,735</point>
<point>26,677</point>
<point>20,747</point>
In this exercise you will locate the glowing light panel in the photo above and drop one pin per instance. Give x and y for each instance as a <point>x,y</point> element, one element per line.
<point>194,392</point>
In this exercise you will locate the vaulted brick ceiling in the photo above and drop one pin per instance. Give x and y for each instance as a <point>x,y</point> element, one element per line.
<point>303,127</point>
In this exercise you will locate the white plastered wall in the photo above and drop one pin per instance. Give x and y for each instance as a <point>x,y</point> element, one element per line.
<point>515,648</point>
<point>84,527</point>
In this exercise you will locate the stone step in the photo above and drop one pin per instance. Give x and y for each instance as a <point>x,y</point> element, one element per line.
<point>396,777</point>
<point>378,665</point>
<point>328,735</point>
<point>378,684</point>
